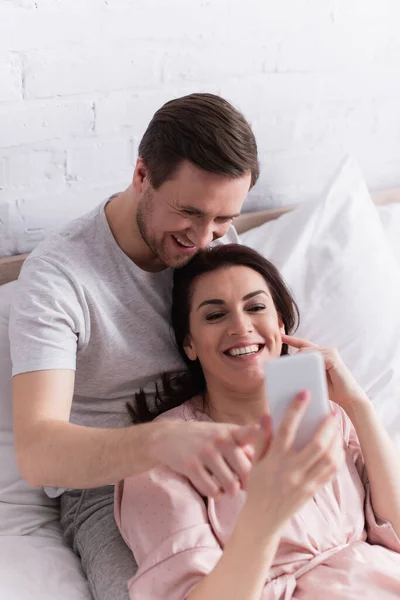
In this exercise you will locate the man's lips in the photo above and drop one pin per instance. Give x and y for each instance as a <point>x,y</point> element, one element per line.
<point>184,245</point>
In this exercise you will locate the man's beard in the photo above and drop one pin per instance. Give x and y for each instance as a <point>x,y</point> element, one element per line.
<point>144,210</point>
<point>143,217</point>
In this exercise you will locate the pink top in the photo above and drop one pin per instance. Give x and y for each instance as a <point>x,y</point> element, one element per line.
<point>335,546</point>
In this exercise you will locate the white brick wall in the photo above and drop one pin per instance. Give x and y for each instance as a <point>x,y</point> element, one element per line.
<point>79,82</point>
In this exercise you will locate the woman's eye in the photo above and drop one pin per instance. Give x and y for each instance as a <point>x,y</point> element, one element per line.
<point>214,316</point>
<point>256,307</point>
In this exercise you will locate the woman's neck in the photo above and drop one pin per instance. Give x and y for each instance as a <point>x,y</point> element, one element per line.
<point>232,406</point>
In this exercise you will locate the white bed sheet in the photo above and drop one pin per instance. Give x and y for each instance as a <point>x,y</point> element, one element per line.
<point>40,567</point>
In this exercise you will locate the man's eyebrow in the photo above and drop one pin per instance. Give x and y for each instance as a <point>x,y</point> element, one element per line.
<point>220,302</point>
<point>197,211</point>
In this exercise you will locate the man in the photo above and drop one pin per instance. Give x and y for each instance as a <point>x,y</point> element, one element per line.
<point>90,328</point>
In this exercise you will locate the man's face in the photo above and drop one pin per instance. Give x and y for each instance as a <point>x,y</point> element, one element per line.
<point>188,212</point>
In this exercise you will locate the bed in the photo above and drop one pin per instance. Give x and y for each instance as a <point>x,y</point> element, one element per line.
<point>316,246</point>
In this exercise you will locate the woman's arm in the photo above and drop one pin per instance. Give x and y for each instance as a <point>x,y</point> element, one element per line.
<point>282,480</point>
<point>165,523</point>
<point>382,460</point>
<point>167,526</point>
<point>242,570</point>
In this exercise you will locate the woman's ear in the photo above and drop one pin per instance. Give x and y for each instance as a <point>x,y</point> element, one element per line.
<point>281,326</point>
<point>189,349</point>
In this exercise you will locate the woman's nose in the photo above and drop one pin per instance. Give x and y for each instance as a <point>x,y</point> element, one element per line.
<point>240,326</point>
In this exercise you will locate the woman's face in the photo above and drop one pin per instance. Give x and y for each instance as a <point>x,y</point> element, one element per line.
<point>234,327</point>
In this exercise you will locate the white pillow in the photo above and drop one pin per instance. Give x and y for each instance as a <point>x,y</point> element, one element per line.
<point>40,566</point>
<point>22,509</point>
<point>390,217</point>
<point>334,254</point>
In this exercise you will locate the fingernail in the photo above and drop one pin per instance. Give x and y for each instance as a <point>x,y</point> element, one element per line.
<point>303,396</point>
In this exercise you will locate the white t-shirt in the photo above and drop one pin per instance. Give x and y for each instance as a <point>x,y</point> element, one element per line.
<point>80,303</point>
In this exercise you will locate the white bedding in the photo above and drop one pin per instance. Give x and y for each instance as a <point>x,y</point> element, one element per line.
<point>40,567</point>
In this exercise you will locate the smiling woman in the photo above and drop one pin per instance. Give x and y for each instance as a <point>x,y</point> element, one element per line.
<point>303,519</point>
<point>229,307</point>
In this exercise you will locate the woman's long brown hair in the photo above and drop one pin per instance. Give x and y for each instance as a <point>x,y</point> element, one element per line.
<point>177,388</point>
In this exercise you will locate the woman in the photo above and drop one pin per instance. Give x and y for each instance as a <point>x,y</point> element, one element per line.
<point>324,520</point>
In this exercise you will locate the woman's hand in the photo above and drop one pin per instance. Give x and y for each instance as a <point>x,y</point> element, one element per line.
<point>342,385</point>
<point>283,479</point>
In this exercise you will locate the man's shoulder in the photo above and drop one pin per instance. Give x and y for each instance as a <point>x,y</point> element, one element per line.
<point>68,241</point>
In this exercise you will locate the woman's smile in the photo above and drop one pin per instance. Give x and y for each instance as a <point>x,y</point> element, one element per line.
<point>234,325</point>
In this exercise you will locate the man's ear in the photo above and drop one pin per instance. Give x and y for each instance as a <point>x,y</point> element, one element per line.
<point>140,175</point>
<point>189,349</point>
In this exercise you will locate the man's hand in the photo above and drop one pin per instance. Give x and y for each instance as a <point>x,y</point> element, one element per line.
<point>215,457</point>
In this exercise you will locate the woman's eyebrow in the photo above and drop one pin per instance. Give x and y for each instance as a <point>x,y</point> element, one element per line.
<point>252,294</point>
<point>219,301</point>
<point>211,301</point>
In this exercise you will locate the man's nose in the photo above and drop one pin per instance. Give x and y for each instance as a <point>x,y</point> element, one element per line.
<point>203,236</point>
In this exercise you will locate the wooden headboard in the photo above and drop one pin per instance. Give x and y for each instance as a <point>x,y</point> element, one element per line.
<point>10,266</point>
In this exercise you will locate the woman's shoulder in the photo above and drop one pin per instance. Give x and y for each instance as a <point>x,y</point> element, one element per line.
<point>191,410</point>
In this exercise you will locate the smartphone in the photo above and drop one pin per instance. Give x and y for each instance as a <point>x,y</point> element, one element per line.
<point>285,377</point>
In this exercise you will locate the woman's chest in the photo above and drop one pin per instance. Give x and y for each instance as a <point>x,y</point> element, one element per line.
<point>333,517</point>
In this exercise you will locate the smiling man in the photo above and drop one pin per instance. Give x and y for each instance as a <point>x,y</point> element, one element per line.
<point>90,328</point>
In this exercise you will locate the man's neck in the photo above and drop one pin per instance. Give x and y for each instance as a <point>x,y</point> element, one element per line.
<point>121,217</point>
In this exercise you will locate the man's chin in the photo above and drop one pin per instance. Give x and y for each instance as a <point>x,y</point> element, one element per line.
<point>177,262</point>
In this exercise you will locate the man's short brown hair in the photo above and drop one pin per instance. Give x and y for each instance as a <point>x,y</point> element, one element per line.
<point>204,129</point>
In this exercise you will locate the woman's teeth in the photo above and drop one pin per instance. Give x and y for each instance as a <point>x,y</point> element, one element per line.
<point>253,349</point>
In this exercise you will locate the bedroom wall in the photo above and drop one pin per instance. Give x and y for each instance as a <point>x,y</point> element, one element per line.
<point>79,81</point>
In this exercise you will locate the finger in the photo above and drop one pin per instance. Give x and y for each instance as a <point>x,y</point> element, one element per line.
<point>237,461</point>
<point>318,477</point>
<point>334,407</point>
<point>289,425</point>
<point>203,481</point>
<point>246,435</point>
<point>320,443</point>
<point>264,438</point>
<point>296,342</point>
<point>325,469</point>
<point>307,349</point>
<point>338,449</point>
<point>224,476</point>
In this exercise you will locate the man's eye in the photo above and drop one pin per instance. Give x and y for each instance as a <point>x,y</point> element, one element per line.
<point>214,316</point>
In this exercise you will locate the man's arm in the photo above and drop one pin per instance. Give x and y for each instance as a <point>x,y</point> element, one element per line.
<point>53,452</point>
